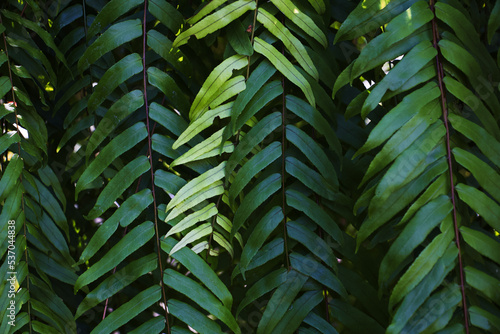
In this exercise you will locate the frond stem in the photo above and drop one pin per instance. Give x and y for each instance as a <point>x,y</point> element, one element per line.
<point>442,88</point>
<point>150,154</point>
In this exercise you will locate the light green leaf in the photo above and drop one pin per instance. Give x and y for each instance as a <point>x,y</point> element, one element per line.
<point>113,37</point>
<point>202,123</point>
<point>487,284</point>
<point>200,215</point>
<point>216,21</point>
<point>285,67</point>
<point>215,80</point>
<point>207,9</point>
<point>120,144</point>
<point>484,319</point>
<point>114,76</point>
<point>288,8</point>
<point>292,43</point>
<point>129,310</point>
<point>193,235</point>
<point>132,241</point>
<point>302,203</point>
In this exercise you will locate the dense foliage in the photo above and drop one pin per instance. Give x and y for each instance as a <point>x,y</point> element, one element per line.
<point>243,166</point>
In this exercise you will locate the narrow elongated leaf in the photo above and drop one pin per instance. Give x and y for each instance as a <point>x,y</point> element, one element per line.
<point>168,86</point>
<point>167,14</point>
<point>285,67</point>
<point>114,76</point>
<point>309,178</point>
<point>11,175</point>
<point>485,283</point>
<point>199,268</point>
<point>121,143</point>
<point>129,310</point>
<point>163,46</point>
<point>201,296</point>
<point>255,136</point>
<point>253,166</point>
<point>260,233</point>
<point>192,317</point>
<point>122,108</point>
<point>109,13</point>
<point>302,20</point>
<point>298,311</point>
<point>494,21</point>
<point>193,235</point>
<point>118,184</point>
<point>113,37</point>
<point>292,43</point>
<point>314,153</point>
<point>126,246</point>
<point>215,21</point>
<point>480,203</point>
<point>238,38</point>
<point>280,301</point>
<point>254,199</point>
<point>116,282</point>
<point>200,215</point>
<point>484,244</point>
<point>207,9</point>
<point>315,212</point>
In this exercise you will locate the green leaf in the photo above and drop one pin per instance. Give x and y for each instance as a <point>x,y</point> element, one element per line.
<point>302,203</point>
<point>487,284</point>
<point>238,38</point>
<point>486,143</point>
<point>200,269</point>
<point>319,323</point>
<point>5,86</point>
<point>310,178</point>
<point>313,152</point>
<point>285,67</point>
<point>361,20</point>
<point>493,21</point>
<point>116,282</point>
<point>201,296</point>
<point>260,233</point>
<point>292,43</point>
<point>423,264</point>
<point>118,184</point>
<point>207,9</point>
<point>254,199</point>
<point>281,301</point>
<point>396,32</point>
<point>129,310</point>
<point>484,319</point>
<point>163,46</point>
<point>193,235</point>
<point>132,241</point>
<point>216,21</point>
<point>200,215</point>
<point>168,86</point>
<point>315,119</point>
<point>120,144</point>
<point>113,37</point>
<point>167,14</point>
<point>298,311</point>
<point>413,235</point>
<point>481,242</point>
<point>10,175</point>
<point>192,317</point>
<point>252,167</point>
<point>312,242</point>
<point>202,123</point>
<point>255,136</point>
<point>114,76</point>
<point>119,111</point>
<point>480,203</point>
<point>109,13</point>
<point>353,319</point>
<point>7,139</point>
<point>302,20</point>
<point>487,177</point>
<point>209,191</point>
<point>215,80</point>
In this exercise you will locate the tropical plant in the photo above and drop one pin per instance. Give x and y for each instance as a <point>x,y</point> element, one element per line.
<point>242,166</point>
